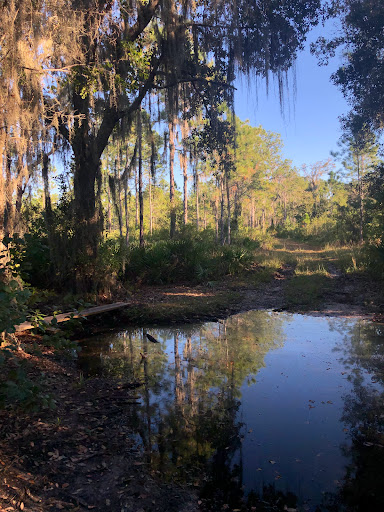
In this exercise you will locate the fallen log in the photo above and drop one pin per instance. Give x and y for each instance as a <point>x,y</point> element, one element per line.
<point>63,317</point>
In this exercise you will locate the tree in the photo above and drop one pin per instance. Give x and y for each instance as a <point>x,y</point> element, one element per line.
<point>361,40</point>
<point>100,60</point>
<point>316,185</point>
<point>359,156</point>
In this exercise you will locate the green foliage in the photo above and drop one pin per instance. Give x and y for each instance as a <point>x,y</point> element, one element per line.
<point>16,388</point>
<point>13,296</point>
<point>193,259</point>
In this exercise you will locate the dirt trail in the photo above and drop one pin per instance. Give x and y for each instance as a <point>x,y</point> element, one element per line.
<point>328,291</point>
<point>338,294</point>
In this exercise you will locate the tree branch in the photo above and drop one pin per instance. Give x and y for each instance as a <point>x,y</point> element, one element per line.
<point>144,16</point>
<point>112,115</point>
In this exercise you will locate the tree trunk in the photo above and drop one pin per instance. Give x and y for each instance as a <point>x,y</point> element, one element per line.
<point>172,230</point>
<point>117,199</point>
<point>9,208</point>
<point>150,205</point>
<point>197,199</point>
<point>136,201</point>
<point>109,210</point>
<point>120,204</point>
<point>183,161</point>
<point>126,212</point>
<point>88,217</point>
<point>228,210</point>
<point>217,218</point>
<point>48,214</point>
<point>140,179</point>
<point>205,212</point>
<point>222,237</point>
<point>361,205</point>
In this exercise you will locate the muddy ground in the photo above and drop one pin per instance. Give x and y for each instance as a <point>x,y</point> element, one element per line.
<point>82,455</point>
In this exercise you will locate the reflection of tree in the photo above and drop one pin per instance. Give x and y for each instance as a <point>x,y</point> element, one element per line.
<point>363,486</point>
<point>189,417</point>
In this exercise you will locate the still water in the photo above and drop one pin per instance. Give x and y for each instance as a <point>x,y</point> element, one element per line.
<point>262,407</point>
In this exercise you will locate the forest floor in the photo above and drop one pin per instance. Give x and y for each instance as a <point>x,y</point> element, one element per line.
<point>82,455</point>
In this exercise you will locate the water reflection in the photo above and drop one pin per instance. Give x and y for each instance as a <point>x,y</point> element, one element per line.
<point>263,407</point>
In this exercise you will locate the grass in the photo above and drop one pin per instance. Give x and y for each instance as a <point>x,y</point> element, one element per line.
<point>307,291</point>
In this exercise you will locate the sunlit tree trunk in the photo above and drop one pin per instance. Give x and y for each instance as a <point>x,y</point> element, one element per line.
<point>118,198</point>
<point>222,236</point>
<point>150,205</point>
<point>109,209</point>
<point>136,201</point>
<point>197,198</point>
<point>228,209</point>
<point>140,179</point>
<point>205,212</point>
<point>120,203</point>
<point>217,217</point>
<point>171,127</point>
<point>126,212</point>
<point>184,161</point>
<point>360,165</point>
<point>9,208</point>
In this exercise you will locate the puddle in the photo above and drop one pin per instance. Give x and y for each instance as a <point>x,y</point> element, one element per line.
<point>281,408</point>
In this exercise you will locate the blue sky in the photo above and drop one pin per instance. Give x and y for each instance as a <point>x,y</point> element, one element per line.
<point>310,127</point>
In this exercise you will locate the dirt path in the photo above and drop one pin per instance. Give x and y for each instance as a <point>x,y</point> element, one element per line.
<point>332,293</point>
<point>324,288</point>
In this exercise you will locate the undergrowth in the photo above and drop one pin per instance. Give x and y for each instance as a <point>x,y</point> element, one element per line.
<point>17,388</point>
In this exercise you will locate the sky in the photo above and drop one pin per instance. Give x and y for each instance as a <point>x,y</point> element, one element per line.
<point>310,127</point>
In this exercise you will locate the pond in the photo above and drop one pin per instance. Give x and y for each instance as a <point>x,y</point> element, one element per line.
<point>263,409</point>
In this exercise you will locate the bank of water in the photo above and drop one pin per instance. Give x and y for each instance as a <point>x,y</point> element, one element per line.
<point>262,409</point>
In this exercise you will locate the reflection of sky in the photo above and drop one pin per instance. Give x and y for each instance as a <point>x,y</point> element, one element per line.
<point>289,414</point>
<point>292,410</point>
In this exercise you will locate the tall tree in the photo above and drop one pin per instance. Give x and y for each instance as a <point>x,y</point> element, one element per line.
<point>359,156</point>
<point>102,59</point>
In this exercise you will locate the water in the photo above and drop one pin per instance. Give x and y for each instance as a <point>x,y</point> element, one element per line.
<point>281,408</point>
